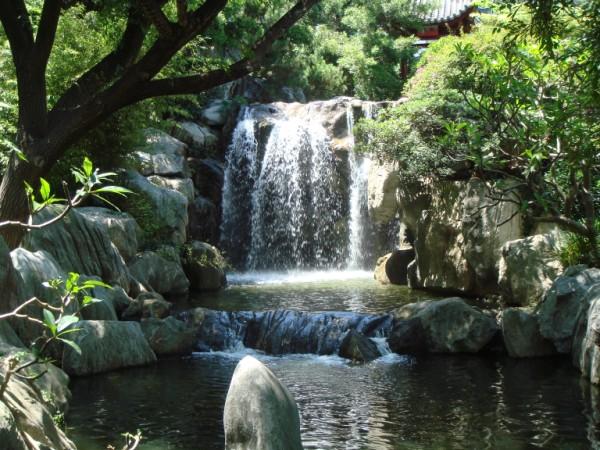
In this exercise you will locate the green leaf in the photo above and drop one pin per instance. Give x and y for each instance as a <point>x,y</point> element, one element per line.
<point>114,190</point>
<point>95,283</point>
<point>50,321</point>
<point>72,344</point>
<point>87,167</point>
<point>65,321</point>
<point>44,189</point>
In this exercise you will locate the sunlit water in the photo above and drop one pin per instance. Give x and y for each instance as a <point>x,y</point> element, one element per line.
<point>395,402</point>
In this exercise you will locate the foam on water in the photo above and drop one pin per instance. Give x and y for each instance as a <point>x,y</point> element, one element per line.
<point>295,277</point>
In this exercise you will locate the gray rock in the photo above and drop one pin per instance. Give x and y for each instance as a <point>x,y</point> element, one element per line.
<point>116,297</point>
<point>161,272</point>
<point>528,267</point>
<point>161,212</point>
<point>123,230</point>
<point>383,182</point>
<point>169,336</point>
<point>201,140</point>
<point>161,155</point>
<point>521,332</point>
<point>208,176</point>
<point>450,325</point>
<point>103,310</point>
<point>153,305</point>
<point>79,244</point>
<point>184,186</point>
<point>106,345</point>
<point>260,413</point>
<point>408,337</point>
<point>215,114</point>
<point>204,221</point>
<point>10,438</point>
<point>357,347</point>
<point>11,283</point>
<point>561,307</point>
<point>586,343</point>
<point>204,266</point>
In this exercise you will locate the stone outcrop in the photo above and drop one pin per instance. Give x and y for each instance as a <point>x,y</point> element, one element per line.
<point>185,186</point>
<point>200,139</point>
<point>383,183</point>
<point>586,342</point>
<point>215,114</point>
<point>163,210</point>
<point>79,243</point>
<point>161,155</point>
<point>204,221</point>
<point>106,345</point>
<point>204,266</point>
<point>564,303</point>
<point>260,413</point>
<point>160,271</point>
<point>448,326</point>
<point>459,237</point>
<point>528,267</point>
<point>169,336</point>
<point>392,268</point>
<point>359,348</point>
<point>521,333</point>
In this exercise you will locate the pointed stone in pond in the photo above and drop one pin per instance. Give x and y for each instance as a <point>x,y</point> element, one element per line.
<point>357,347</point>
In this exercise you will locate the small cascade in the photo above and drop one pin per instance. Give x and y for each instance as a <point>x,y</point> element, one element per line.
<point>358,223</point>
<point>382,345</point>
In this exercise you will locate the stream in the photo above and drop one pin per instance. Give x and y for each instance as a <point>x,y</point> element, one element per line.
<point>395,402</point>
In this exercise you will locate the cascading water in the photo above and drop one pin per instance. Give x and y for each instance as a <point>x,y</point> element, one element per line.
<point>358,223</point>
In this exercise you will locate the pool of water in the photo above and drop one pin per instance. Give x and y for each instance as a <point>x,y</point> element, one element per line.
<point>307,291</point>
<point>395,402</point>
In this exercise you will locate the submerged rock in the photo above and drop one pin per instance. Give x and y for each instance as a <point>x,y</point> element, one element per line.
<point>565,301</point>
<point>260,413</point>
<point>528,267</point>
<point>449,326</point>
<point>522,337</point>
<point>106,345</point>
<point>169,336</point>
<point>357,347</point>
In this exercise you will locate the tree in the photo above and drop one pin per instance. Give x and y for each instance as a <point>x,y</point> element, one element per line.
<point>128,74</point>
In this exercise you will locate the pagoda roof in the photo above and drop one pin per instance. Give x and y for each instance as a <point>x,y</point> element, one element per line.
<point>444,10</point>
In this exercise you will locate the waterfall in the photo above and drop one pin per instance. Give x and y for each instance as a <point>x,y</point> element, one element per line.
<point>358,221</point>
<point>280,199</point>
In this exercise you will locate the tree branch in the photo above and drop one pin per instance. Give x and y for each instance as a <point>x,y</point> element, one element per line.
<point>16,23</point>
<point>182,13</point>
<point>46,32</point>
<point>154,13</point>
<point>565,222</point>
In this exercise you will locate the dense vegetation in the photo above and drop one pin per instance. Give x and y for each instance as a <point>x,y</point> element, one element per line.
<point>517,110</point>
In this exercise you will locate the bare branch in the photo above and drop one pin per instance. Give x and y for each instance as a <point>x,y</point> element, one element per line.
<point>46,32</point>
<point>154,13</point>
<point>182,13</point>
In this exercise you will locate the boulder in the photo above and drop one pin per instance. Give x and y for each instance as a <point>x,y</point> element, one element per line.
<point>260,413</point>
<point>123,230</point>
<point>459,238</point>
<point>392,268</point>
<point>563,304</point>
<point>586,342</point>
<point>160,271</point>
<point>357,347</point>
<point>201,140</point>
<point>161,212</point>
<point>521,332</point>
<point>169,336</point>
<point>528,267</point>
<point>208,176</point>
<point>153,305</point>
<point>10,437</point>
<point>204,221</point>
<point>408,337</point>
<point>116,297</point>
<point>106,345</point>
<point>184,186</point>
<point>81,244</point>
<point>161,155</point>
<point>450,325</point>
<point>215,114</point>
<point>383,182</point>
<point>204,266</point>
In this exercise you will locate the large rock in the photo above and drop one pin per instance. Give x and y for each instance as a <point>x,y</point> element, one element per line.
<point>106,345</point>
<point>528,267</point>
<point>201,140</point>
<point>586,343</point>
<point>215,114</point>
<point>459,239</point>
<point>161,155</point>
<point>383,182</point>
<point>204,266</point>
<point>408,337</point>
<point>208,176</point>
<point>563,304</point>
<point>160,271</point>
<point>204,221</point>
<point>522,337</point>
<point>161,212</point>
<point>79,244</point>
<point>260,413</point>
<point>185,186</point>
<point>122,228</point>
<point>392,268</point>
<point>449,325</point>
<point>169,336</point>
<point>357,347</point>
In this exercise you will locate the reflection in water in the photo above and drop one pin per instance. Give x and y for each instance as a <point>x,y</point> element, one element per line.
<point>435,402</point>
